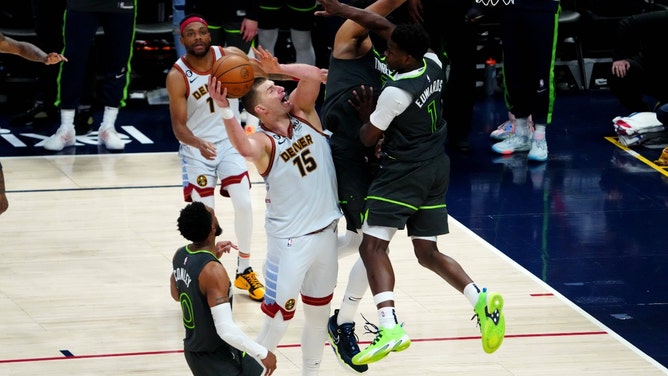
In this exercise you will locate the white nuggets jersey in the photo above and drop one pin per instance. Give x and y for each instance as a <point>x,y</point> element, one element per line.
<point>200,104</point>
<point>301,182</point>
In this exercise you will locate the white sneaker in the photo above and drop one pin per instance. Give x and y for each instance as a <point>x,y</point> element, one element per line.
<point>512,144</point>
<point>60,139</point>
<point>111,139</point>
<point>538,150</point>
<point>503,130</point>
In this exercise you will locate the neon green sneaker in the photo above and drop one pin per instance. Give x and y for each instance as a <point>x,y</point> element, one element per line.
<point>490,320</point>
<point>386,341</point>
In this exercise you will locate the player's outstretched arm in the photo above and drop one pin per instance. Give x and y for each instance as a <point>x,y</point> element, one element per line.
<point>250,147</point>
<point>28,51</point>
<point>368,17</point>
<point>306,93</point>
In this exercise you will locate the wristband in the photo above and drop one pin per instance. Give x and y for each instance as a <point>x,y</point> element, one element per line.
<point>227,113</point>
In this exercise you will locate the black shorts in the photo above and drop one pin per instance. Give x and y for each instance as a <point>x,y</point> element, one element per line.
<point>287,14</point>
<point>228,34</point>
<point>222,362</point>
<point>355,169</point>
<point>411,195</point>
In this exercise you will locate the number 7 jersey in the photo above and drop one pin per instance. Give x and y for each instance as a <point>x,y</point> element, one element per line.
<point>301,182</point>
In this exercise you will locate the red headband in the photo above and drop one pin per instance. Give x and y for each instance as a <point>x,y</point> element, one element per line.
<point>192,19</point>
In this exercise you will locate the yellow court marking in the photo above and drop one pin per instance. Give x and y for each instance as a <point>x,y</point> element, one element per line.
<point>662,169</point>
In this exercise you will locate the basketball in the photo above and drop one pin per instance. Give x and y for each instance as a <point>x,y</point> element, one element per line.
<point>235,73</point>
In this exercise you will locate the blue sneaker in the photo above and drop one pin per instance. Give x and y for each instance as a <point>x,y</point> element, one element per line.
<point>343,340</point>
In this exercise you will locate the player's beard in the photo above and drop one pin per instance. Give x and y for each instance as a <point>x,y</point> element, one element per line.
<point>219,230</point>
<point>203,53</point>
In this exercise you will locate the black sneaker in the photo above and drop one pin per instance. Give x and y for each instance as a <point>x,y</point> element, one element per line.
<point>37,113</point>
<point>343,340</point>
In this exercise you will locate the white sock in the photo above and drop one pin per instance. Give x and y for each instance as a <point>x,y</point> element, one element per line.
<point>67,120</point>
<point>109,118</point>
<point>387,317</point>
<point>539,132</point>
<point>243,262</point>
<point>357,286</point>
<point>522,127</point>
<point>471,292</point>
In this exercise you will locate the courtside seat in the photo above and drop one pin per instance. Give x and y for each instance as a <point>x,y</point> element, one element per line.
<point>570,21</point>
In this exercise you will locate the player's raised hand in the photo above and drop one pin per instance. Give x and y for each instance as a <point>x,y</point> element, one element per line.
<point>363,102</point>
<point>218,92</point>
<point>330,8</point>
<point>266,60</point>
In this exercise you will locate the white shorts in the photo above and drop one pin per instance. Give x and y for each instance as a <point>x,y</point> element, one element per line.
<point>201,174</point>
<point>307,264</point>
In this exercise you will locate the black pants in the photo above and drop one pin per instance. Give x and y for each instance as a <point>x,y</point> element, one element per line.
<point>80,29</point>
<point>48,18</point>
<point>640,80</point>
<point>454,40</point>
<point>528,59</point>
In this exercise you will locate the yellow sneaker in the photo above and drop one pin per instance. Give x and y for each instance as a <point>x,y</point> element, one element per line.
<point>387,340</point>
<point>492,323</point>
<point>248,281</point>
<point>663,158</point>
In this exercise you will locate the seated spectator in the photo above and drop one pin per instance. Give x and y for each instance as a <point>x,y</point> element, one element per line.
<point>638,67</point>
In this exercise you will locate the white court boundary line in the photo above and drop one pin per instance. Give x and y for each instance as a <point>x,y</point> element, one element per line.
<point>558,295</point>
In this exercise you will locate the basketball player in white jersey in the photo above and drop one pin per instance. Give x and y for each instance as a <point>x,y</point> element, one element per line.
<point>293,155</point>
<point>206,152</point>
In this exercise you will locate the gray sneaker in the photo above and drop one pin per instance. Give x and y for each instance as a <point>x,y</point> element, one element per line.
<point>512,144</point>
<point>538,150</point>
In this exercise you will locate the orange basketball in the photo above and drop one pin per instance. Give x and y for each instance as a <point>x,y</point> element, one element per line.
<point>234,72</point>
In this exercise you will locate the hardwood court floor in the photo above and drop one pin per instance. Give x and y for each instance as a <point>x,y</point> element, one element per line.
<point>88,241</point>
